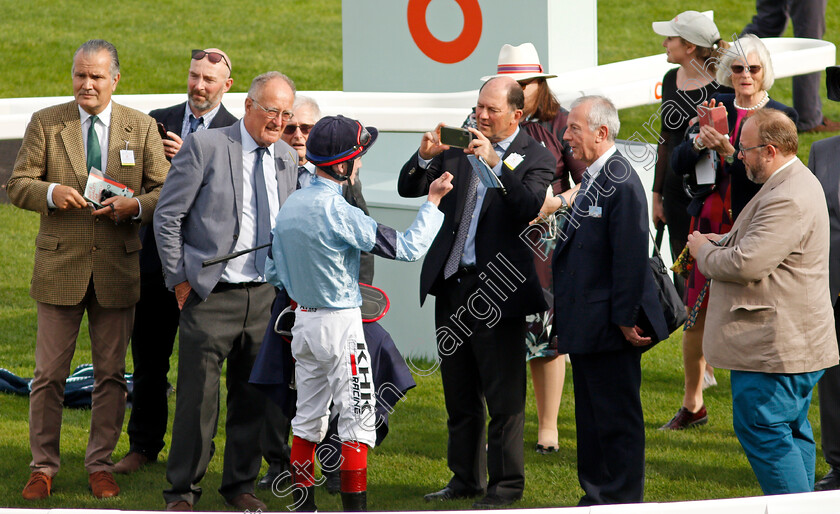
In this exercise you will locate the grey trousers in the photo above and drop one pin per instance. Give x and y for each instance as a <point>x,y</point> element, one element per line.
<point>229,325</point>
<point>808,17</point>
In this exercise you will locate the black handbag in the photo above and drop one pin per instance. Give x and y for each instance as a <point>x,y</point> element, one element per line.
<point>672,305</point>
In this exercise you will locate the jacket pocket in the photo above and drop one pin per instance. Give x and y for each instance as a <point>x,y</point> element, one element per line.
<point>133,245</point>
<point>597,295</point>
<point>752,308</point>
<point>46,242</point>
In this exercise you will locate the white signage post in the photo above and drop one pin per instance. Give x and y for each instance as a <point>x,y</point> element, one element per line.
<point>448,45</point>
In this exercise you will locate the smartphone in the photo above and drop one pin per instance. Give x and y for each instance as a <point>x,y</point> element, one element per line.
<point>715,116</point>
<point>454,136</point>
<point>162,131</point>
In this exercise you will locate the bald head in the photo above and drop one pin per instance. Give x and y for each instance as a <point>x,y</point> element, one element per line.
<point>208,81</point>
<point>499,108</point>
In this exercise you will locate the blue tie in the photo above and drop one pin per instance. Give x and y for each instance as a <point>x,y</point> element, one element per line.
<point>263,216</point>
<point>195,122</point>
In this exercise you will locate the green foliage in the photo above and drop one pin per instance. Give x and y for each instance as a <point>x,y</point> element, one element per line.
<point>302,38</point>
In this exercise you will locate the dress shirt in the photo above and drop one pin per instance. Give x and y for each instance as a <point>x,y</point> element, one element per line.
<point>783,166</point>
<point>304,179</point>
<point>102,130</point>
<point>595,168</point>
<point>208,119</point>
<point>468,257</point>
<point>318,238</point>
<point>241,269</point>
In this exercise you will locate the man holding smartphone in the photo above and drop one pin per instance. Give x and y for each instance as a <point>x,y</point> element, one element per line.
<point>482,275</point>
<point>157,314</point>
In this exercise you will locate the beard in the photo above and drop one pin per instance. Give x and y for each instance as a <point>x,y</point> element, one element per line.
<point>755,173</point>
<point>201,103</point>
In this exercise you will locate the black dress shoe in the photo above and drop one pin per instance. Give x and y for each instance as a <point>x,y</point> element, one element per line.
<point>267,481</point>
<point>492,501</point>
<point>829,482</point>
<point>447,493</point>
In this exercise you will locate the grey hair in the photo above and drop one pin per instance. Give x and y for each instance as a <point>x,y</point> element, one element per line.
<point>94,46</point>
<point>260,81</point>
<point>741,49</point>
<point>308,101</point>
<point>602,112</point>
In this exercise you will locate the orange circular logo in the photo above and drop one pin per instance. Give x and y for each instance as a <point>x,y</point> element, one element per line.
<point>446,52</point>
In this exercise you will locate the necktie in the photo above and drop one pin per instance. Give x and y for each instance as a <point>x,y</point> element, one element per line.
<point>94,153</point>
<point>454,259</point>
<point>263,216</point>
<point>195,122</point>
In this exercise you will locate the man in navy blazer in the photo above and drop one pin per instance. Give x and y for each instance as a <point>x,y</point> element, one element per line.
<point>156,314</point>
<point>606,307</point>
<point>481,271</point>
<point>222,196</point>
<point>822,161</point>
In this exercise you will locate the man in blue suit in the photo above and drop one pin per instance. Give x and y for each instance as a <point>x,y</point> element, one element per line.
<point>606,307</point>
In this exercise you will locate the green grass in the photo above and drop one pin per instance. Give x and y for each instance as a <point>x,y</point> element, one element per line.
<point>694,464</point>
<point>303,39</point>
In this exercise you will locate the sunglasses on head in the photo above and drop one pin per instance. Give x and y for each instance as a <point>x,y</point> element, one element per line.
<point>739,68</point>
<point>304,129</point>
<point>213,57</point>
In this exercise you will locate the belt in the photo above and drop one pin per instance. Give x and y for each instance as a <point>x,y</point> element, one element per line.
<point>221,287</point>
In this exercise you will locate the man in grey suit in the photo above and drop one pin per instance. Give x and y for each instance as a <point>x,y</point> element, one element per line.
<point>156,314</point>
<point>224,191</point>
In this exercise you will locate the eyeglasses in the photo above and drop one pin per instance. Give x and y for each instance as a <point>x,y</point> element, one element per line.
<point>213,57</point>
<point>739,150</point>
<point>274,113</point>
<point>737,69</point>
<point>304,129</point>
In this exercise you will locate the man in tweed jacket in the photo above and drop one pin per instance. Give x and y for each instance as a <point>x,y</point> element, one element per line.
<point>86,259</point>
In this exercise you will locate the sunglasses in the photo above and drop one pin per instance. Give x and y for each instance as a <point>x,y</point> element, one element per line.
<point>737,69</point>
<point>304,129</point>
<point>213,57</point>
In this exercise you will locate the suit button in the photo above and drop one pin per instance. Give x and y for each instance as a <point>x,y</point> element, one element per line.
<point>572,273</point>
<point>235,237</point>
<point>580,245</point>
<point>95,248</point>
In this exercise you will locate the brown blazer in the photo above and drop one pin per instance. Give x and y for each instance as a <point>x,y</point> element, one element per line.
<point>73,246</point>
<point>769,305</point>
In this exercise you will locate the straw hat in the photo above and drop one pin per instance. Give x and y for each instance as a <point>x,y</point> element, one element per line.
<point>519,63</point>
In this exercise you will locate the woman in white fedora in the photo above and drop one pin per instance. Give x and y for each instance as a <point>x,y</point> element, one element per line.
<point>544,120</point>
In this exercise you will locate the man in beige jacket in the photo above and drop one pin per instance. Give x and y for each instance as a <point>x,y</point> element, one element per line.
<point>770,318</point>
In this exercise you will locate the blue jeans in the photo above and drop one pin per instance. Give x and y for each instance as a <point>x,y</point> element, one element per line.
<point>770,416</point>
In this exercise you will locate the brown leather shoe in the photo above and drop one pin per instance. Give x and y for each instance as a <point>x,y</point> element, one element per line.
<point>179,506</point>
<point>130,463</point>
<point>38,487</point>
<point>103,485</point>
<point>247,501</point>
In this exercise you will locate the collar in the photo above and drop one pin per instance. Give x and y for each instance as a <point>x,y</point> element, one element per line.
<point>595,168</point>
<point>309,167</point>
<point>248,143</point>
<point>208,116</point>
<point>334,186</point>
<point>505,143</point>
<point>783,166</point>
<point>104,116</point>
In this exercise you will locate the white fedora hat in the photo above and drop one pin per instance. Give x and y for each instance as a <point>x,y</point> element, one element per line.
<point>519,63</point>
